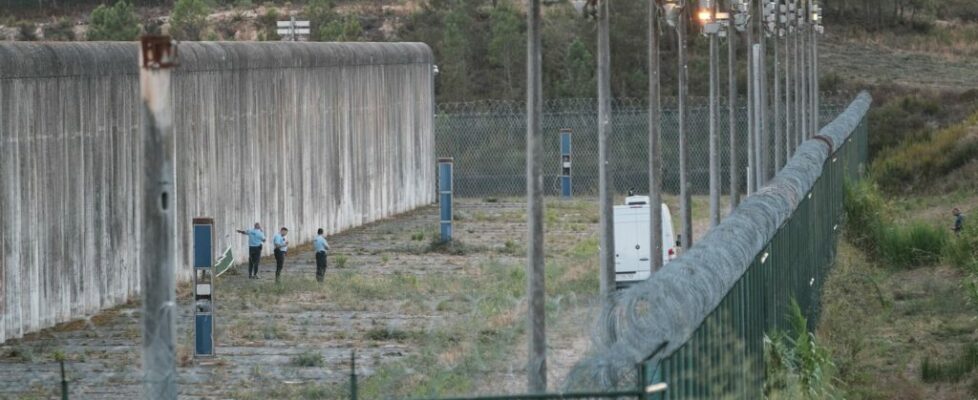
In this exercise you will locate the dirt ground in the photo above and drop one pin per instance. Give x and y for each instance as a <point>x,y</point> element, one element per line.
<point>424,320</point>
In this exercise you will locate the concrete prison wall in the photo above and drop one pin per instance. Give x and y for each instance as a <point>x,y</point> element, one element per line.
<point>304,135</point>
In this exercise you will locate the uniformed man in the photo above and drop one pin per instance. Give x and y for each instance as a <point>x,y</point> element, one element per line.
<point>281,246</point>
<point>255,238</point>
<point>321,247</point>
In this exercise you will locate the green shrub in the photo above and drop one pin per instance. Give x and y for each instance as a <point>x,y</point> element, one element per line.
<point>267,24</point>
<point>863,206</point>
<point>114,23</point>
<point>189,19</point>
<point>27,31</point>
<point>915,164</point>
<point>909,246</point>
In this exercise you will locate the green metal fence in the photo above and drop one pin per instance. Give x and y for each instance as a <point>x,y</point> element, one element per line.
<point>724,355</point>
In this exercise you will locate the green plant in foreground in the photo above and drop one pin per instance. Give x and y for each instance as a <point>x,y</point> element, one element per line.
<point>797,366</point>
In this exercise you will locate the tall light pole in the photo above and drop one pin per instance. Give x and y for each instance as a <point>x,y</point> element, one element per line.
<point>536,369</point>
<point>771,18</point>
<point>817,29</point>
<point>685,201</point>
<point>786,24</point>
<point>739,21</point>
<point>655,149</point>
<point>708,17</point>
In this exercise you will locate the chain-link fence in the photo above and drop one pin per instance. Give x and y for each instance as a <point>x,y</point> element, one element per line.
<point>488,142</point>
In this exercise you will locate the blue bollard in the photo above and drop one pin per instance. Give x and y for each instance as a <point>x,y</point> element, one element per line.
<point>565,163</point>
<point>203,287</point>
<point>445,188</point>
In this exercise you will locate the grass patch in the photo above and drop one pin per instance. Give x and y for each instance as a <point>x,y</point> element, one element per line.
<point>308,359</point>
<point>953,371</point>
<point>871,228</point>
<point>386,334</point>
<point>340,261</point>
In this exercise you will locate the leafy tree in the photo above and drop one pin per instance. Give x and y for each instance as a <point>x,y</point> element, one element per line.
<point>321,14</point>
<point>507,46</point>
<point>455,54</point>
<point>188,21</point>
<point>60,30</point>
<point>347,29</point>
<point>578,75</point>
<point>114,23</point>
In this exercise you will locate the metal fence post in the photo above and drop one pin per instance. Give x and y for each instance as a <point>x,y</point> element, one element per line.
<point>157,56</point>
<point>732,115</point>
<point>655,147</point>
<point>714,109</point>
<point>445,198</point>
<point>685,200</point>
<point>606,249</point>
<point>353,375</point>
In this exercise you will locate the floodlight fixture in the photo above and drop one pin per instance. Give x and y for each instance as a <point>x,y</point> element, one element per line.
<point>671,9</point>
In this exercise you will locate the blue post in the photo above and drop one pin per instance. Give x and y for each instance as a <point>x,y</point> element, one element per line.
<point>203,287</point>
<point>565,163</point>
<point>445,188</point>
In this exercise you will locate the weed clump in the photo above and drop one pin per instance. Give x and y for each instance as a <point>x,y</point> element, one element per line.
<point>953,371</point>
<point>797,366</point>
<point>386,334</point>
<point>308,359</point>
<point>917,163</point>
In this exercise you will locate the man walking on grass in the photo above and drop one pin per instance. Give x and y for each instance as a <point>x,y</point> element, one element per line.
<point>255,238</point>
<point>321,247</point>
<point>281,246</point>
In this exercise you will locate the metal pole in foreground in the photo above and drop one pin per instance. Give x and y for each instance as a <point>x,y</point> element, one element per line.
<point>763,154</point>
<point>714,109</point>
<point>751,98</point>
<point>536,368</point>
<point>157,56</point>
<point>731,113</point>
<point>779,158</point>
<point>788,137</point>
<point>758,113</point>
<point>655,149</point>
<point>605,194</point>
<point>685,204</point>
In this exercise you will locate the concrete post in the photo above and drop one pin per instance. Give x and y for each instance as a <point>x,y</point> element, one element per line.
<point>158,258</point>
<point>536,370</point>
<point>685,201</point>
<point>605,192</point>
<point>655,149</point>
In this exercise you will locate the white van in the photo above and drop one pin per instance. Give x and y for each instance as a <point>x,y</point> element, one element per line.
<point>632,238</point>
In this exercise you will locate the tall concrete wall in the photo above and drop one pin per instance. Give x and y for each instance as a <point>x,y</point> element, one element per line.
<point>304,135</point>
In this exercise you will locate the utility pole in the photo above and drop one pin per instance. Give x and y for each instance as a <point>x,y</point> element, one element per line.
<point>799,126</point>
<point>605,192</point>
<point>711,28</point>
<point>655,149</point>
<point>157,56</point>
<point>685,201</point>
<point>816,30</point>
<point>536,368</point>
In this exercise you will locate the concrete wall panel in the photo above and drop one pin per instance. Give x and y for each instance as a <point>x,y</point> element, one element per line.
<point>304,135</point>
